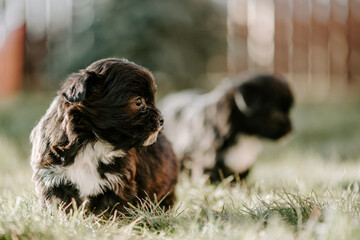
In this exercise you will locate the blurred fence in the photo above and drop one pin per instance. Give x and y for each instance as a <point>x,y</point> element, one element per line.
<point>315,42</point>
<point>175,39</point>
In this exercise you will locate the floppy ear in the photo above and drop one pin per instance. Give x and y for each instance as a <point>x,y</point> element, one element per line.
<point>75,88</point>
<point>248,99</point>
<point>241,104</point>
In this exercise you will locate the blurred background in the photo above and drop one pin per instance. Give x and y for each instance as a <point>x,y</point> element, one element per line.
<point>186,44</point>
<point>42,41</point>
<point>315,43</point>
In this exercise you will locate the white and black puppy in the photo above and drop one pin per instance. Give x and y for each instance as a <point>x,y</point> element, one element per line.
<point>220,132</point>
<point>100,141</point>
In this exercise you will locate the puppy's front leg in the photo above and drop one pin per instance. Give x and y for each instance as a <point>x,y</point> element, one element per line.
<point>65,193</point>
<point>108,201</point>
<point>220,171</point>
<point>114,199</point>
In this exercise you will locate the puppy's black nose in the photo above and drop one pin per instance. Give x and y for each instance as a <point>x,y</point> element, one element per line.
<point>161,120</point>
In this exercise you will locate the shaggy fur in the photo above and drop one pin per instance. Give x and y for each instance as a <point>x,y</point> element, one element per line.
<point>220,132</point>
<point>100,141</point>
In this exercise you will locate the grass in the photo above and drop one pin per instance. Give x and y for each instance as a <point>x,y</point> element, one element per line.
<point>306,187</point>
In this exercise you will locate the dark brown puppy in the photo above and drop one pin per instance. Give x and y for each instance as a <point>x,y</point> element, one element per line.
<point>221,132</point>
<point>100,141</point>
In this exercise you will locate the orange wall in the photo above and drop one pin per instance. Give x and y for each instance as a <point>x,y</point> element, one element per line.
<point>12,62</point>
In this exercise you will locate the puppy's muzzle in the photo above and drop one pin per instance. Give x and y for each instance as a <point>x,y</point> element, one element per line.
<point>153,136</point>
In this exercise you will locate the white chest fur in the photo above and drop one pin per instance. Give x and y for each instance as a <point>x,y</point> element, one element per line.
<point>84,174</point>
<point>242,155</point>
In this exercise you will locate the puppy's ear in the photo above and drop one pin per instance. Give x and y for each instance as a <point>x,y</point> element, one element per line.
<point>241,104</point>
<point>76,86</point>
<point>248,99</point>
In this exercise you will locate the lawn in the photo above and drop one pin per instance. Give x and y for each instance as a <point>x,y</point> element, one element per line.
<point>304,187</point>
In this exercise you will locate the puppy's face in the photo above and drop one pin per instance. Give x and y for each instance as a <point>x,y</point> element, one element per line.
<point>265,101</point>
<point>115,100</point>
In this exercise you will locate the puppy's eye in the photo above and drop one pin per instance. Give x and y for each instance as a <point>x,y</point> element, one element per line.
<point>139,102</point>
